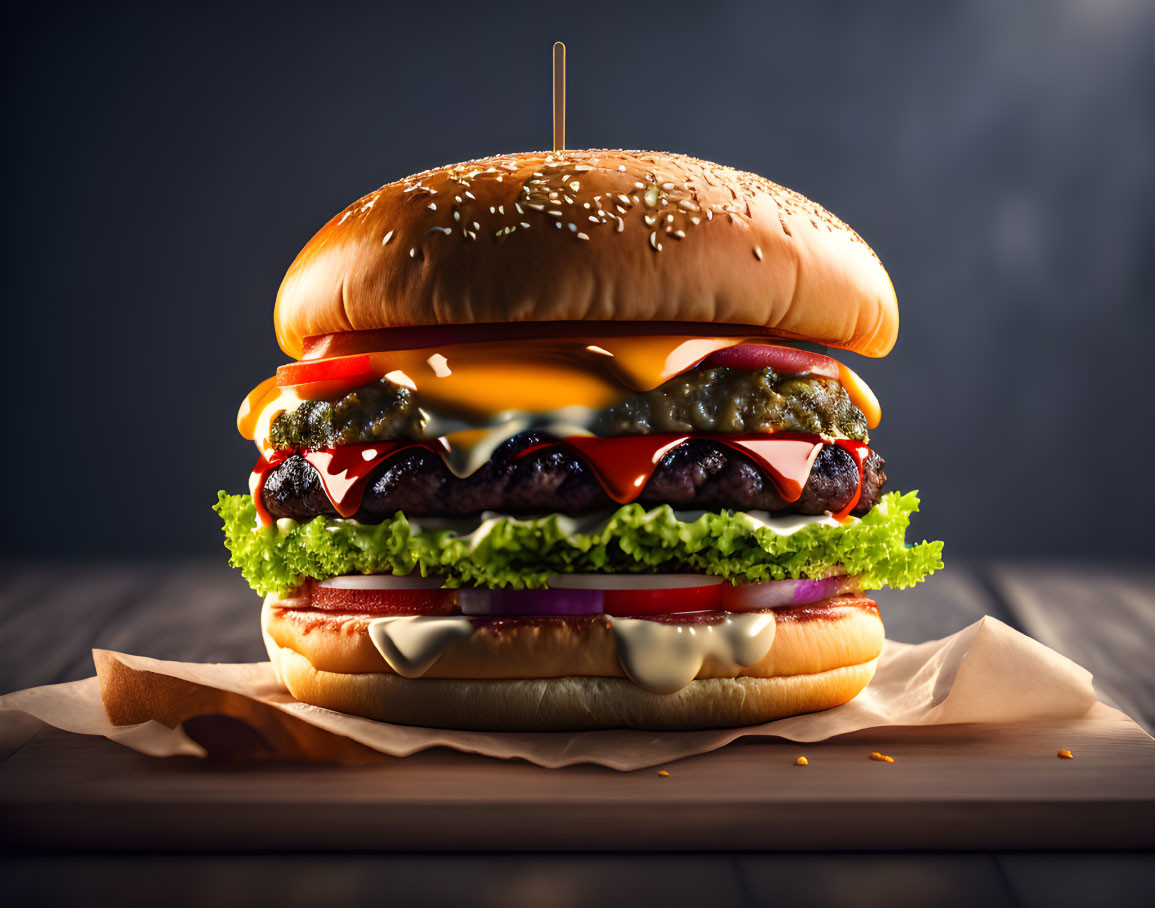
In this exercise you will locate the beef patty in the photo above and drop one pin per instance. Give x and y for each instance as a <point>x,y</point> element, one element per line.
<point>697,475</point>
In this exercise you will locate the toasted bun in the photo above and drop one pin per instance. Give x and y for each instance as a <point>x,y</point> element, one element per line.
<point>589,236</point>
<point>564,674</point>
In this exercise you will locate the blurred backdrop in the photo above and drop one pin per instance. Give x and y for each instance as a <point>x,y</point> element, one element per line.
<point>163,163</point>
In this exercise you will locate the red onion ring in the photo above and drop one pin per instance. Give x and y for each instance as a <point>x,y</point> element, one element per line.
<point>527,603</point>
<point>779,593</point>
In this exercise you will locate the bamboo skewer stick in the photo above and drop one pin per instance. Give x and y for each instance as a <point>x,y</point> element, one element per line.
<point>558,96</point>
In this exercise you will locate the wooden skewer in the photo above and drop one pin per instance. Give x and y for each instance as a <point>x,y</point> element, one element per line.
<point>558,96</point>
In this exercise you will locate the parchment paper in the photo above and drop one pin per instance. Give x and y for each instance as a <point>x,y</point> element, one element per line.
<point>986,672</point>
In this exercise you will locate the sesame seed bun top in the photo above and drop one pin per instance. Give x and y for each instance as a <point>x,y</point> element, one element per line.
<point>590,235</point>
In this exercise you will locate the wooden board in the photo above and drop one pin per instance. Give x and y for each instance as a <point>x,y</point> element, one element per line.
<point>950,787</point>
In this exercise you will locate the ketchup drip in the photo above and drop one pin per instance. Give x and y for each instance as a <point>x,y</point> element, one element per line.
<point>266,463</point>
<point>623,465</point>
<point>859,452</point>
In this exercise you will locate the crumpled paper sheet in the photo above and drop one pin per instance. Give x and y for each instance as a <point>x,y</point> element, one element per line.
<point>986,672</point>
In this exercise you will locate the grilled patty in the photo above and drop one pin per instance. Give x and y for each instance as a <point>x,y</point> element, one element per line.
<point>701,400</point>
<point>697,475</point>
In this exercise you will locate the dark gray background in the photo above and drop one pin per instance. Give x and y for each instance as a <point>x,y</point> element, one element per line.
<point>164,163</point>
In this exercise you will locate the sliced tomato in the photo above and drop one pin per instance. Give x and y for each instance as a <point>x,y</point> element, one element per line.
<point>399,601</point>
<point>628,595</point>
<point>662,602</point>
<point>346,370</point>
<point>786,360</point>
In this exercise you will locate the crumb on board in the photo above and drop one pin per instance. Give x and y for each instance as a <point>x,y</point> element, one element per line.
<point>882,758</point>
<point>1065,755</point>
<point>801,761</point>
<point>662,773</point>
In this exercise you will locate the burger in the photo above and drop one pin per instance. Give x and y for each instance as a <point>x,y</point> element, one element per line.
<point>562,447</point>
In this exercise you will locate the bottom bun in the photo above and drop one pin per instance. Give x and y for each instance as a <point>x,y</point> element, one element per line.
<point>566,703</point>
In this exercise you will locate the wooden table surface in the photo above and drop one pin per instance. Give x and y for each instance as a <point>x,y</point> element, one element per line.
<point>51,616</point>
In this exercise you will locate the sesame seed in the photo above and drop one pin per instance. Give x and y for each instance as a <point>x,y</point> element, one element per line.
<point>585,204</point>
<point>667,186</point>
<point>445,230</point>
<point>573,227</point>
<point>432,206</point>
<point>501,209</point>
<point>536,206</point>
<point>709,215</point>
<point>575,185</point>
<point>594,219</point>
<point>654,240</point>
<point>385,239</point>
<point>492,209</point>
<point>457,215</point>
<point>582,236</point>
<point>622,168</point>
<point>621,225</point>
<point>413,253</point>
<point>649,219</point>
<point>476,226</point>
<point>555,213</point>
<point>457,199</point>
<point>625,199</point>
<point>680,234</point>
<point>639,185</point>
<point>651,196</point>
<point>557,224</point>
<point>518,207</point>
<point>758,253</point>
<point>687,205</point>
<point>525,225</point>
<point>695,220</point>
<point>669,219</point>
<point>471,195</point>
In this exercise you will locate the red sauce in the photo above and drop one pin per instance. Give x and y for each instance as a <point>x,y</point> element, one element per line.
<point>623,465</point>
<point>266,463</point>
<point>859,452</point>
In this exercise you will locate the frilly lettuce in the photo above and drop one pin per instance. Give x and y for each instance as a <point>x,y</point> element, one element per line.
<point>518,553</point>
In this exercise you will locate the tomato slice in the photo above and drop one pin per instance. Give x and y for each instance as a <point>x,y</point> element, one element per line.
<point>384,601</point>
<point>347,370</point>
<point>626,603</point>
<point>786,360</point>
<point>627,595</point>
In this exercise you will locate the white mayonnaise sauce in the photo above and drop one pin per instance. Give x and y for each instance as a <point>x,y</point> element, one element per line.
<point>411,644</point>
<point>663,658</point>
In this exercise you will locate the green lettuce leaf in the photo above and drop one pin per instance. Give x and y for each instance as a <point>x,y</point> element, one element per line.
<point>507,551</point>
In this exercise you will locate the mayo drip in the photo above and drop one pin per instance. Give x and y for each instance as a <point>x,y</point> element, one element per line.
<point>657,656</point>
<point>412,644</point>
<point>663,658</point>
